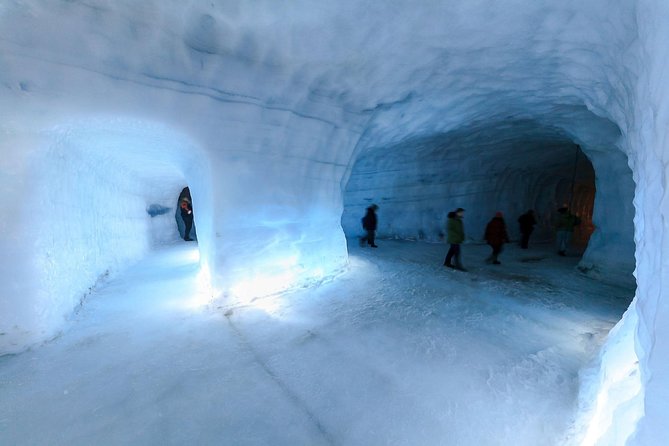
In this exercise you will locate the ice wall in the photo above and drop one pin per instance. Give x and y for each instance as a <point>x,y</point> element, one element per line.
<point>645,335</point>
<point>610,249</point>
<point>624,401</point>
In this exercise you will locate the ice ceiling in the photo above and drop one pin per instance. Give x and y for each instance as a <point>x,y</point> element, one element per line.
<point>270,112</point>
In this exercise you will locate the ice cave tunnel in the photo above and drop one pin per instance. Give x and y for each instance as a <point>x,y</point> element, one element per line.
<point>286,121</point>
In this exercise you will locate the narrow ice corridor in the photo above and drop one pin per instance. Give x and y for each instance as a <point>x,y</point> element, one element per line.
<point>394,351</point>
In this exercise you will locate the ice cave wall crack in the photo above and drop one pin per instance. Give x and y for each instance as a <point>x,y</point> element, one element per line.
<point>215,94</point>
<point>290,393</point>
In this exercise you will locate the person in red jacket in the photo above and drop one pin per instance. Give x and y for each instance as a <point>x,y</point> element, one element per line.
<point>187,216</point>
<point>496,236</point>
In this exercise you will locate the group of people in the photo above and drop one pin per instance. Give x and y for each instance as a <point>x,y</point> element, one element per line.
<point>495,235</point>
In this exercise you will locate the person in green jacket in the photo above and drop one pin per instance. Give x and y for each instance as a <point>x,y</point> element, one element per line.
<point>455,236</point>
<point>565,228</point>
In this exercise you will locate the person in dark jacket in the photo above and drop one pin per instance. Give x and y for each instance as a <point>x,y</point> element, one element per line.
<point>455,235</point>
<point>187,216</point>
<point>369,223</point>
<point>496,236</point>
<point>526,222</point>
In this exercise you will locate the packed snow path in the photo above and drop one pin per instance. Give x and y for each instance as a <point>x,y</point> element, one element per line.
<point>397,350</point>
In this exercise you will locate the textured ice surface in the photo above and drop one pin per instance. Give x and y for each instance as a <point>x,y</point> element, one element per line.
<point>85,216</point>
<point>279,119</point>
<point>277,103</point>
<point>397,350</point>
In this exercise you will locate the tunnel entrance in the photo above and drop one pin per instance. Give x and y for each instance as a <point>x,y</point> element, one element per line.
<point>569,185</point>
<point>185,216</point>
<point>104,201</point>
<point>578,196</point>
<point>426,178</point>
<point>510,166</point>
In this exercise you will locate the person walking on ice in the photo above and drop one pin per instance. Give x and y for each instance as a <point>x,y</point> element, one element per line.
<point>565,229</point>
<point>496,236</point>
<point>526,222</point>
<point>369,224</point>
<point>455,235</point>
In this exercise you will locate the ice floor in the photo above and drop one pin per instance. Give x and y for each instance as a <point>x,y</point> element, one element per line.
<point>396,351</point>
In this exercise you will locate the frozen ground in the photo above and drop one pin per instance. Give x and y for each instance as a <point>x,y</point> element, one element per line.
<point>395,351</point>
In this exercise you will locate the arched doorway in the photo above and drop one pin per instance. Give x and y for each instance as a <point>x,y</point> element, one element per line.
<point>184,216</point>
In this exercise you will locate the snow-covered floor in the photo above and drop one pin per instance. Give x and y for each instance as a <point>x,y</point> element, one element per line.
<point>397,350</point>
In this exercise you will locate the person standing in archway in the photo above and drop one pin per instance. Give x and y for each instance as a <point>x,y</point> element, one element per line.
<point>369,224</point>
<point>526,222</point>
<point>455,235</point>
<point>565,229</point>
<point>496,236</point>
<point>187,216</point>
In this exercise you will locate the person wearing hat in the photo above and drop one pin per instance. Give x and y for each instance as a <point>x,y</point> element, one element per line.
<point>369,223</point>
<point>526,223</point>
<point>496,236</point>
<point>187,216</point>
<point>455,235</point>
